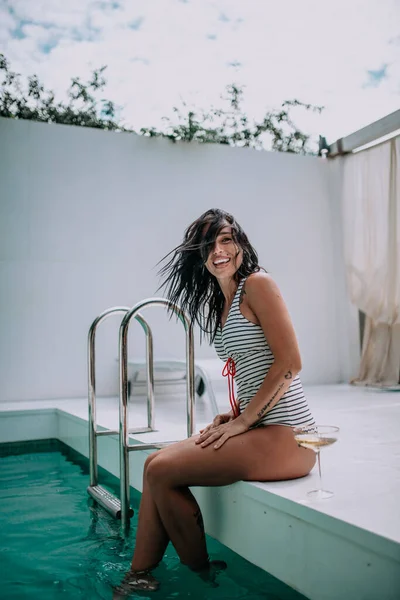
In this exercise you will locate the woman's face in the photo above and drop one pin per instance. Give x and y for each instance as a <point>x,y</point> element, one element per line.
<point>225,257</point>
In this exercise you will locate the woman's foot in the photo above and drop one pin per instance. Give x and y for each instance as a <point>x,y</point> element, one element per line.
<point>135,581</point>
<point>211,569</point>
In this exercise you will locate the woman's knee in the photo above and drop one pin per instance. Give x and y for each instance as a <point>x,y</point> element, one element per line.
<point>148,462</point>
<point>159,470</point>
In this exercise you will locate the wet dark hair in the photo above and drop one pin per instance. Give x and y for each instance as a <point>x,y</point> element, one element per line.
<point>188,282</point>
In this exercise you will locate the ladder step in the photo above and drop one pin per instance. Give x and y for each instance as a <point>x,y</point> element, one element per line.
<point>107,500</point>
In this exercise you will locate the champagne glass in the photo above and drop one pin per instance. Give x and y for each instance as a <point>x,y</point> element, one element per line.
<point>316,437</point>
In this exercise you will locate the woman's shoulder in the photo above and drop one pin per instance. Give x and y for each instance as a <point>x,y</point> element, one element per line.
<point>260,285</point>
<point>258,279</point>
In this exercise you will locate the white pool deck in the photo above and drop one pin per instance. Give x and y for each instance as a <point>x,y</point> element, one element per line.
<point>347,546</point>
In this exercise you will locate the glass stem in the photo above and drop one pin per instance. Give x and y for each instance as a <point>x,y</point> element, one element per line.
<point>319,469</point>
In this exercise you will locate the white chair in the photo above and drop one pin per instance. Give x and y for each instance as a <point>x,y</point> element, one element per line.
<point>174,372</point>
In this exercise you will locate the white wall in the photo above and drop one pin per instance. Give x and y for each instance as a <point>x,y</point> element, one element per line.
<point>86,214</point>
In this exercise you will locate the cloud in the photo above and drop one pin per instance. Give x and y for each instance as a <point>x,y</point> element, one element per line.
<point>376,77</point>
<point>18,33</point>
<point>318,52</point>
<point>136,23</point>
<point>140,59</point>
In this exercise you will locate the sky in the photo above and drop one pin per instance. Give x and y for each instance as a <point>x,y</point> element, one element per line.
<point>343,55</point>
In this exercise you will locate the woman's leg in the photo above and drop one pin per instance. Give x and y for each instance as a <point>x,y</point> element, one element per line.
<point>179,508</point>
<point>261,454</point>
<point>151,537</point>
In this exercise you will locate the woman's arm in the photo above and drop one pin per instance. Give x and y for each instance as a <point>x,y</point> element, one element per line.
<point>264,299</point>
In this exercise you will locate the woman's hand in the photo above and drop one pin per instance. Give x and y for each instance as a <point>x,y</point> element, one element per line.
<point>221,432</point>
<point>218,420</point>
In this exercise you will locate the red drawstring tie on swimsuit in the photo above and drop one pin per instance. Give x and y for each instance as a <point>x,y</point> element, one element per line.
<point>229,371</point>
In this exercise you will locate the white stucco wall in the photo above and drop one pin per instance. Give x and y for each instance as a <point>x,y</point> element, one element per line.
<point>85,215</point>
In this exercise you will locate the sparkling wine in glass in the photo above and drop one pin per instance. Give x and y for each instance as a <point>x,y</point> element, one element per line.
<point>315,438</point>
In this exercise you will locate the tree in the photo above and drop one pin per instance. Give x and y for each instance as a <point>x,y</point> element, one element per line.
<point>229,126</point>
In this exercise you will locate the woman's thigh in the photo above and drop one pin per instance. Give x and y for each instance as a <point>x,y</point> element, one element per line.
<point>267,453</point>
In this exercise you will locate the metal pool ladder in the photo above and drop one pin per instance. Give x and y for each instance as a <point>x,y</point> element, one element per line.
<point>119,507</point>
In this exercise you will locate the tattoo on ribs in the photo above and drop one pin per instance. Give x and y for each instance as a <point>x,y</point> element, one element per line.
<point>288,375</point>
<point>264,408</point>
<point>200,523</point>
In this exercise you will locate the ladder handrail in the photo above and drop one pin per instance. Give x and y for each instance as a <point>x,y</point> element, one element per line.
<point>123,391</point>
<point>93,433</point>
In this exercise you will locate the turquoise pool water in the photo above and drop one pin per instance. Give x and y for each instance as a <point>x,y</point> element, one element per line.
<point>56,543</point>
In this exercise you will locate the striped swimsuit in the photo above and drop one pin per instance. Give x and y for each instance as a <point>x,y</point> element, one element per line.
<point>245,343</point>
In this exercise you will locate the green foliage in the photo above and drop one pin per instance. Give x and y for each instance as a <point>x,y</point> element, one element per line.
<point>229,126</point>
<point>232,126</point>
<point>37,104</point>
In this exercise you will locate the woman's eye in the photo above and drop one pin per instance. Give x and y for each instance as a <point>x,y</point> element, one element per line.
<point>227,240</point>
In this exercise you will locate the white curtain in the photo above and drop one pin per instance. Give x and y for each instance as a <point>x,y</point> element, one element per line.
<point>371,221</point>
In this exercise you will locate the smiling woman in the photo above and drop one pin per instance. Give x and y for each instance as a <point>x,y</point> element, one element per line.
<point>192,278</point>
<point>224,254</point>
<point>214,275</point>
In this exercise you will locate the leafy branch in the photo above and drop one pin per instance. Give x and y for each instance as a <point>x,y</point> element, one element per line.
<point>37,104</point>
<point>232,126</point>
<point>229,125</point>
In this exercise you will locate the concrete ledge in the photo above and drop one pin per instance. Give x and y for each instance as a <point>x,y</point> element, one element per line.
<point>322,557</point>
<point>33,424</point>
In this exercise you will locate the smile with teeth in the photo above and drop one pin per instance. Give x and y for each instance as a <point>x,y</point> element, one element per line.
<point>221,261</point>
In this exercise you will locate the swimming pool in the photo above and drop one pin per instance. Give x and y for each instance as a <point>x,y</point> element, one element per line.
<point>56,543</point>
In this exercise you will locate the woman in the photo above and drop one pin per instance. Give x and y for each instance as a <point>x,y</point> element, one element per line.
<point>214,275</point>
